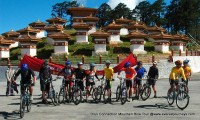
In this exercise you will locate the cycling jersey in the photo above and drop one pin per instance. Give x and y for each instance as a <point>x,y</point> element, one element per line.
<point>25,76</point>
<point>187,71</point>
<point>109,73</point>
<point>176,73</point>
<point>130,72</point>
<point>79,73</point>
<point>67,73</point>
<point>153,72</point>
<point>140,72</point>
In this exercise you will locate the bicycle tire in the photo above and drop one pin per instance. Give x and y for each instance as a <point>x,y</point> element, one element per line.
<point>22,107</point>
<point>61,97</point>
<point>145,93</point>
<point>170,97</point>
<point>124,96</point>
<point>182,95</point>
<point>53,97</point>
<point>104,96</point>
<point>117,93</point>
<point>29,105</point>
<point>79,92</point>
<point>99,94</point>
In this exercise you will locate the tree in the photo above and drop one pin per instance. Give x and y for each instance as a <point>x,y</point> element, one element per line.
<point>104,15</point>
<point>158,9</point>
<point>121,10</point>
<point>143,12</point>
<point>60,9</point>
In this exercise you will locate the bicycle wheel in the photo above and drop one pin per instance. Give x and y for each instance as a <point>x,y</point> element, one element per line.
<point>118,93</point>
<point>77,96</point>
<point>53,97</point>
<point>22,107</point>
<point>105,95</point>
<point>28,105</point>
<point>182,100</point>
<point>61,96</point>
<point>170,97</point>
<point>145,93</point>
<point>98,94</point>
<point>123,96</point>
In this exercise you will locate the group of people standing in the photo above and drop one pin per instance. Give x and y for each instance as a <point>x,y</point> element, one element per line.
<point>133,77</point>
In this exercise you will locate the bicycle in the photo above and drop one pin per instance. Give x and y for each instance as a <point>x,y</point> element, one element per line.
<point>179,95</point>
<point>98,92</point>
<point>121,92</point>
<point>91,92</point>
<point>64,95</point>
<point>25,100</point>
<point>76,92</point>
<point>106,97</point>
<point>146,91</point>
<point>138,90</point>
<point>53,95</point>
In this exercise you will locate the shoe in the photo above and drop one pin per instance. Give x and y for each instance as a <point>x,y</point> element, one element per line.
<point>155,96</point>
<point>31,98</point>
<point>12,95</point>
<point>127,100</point>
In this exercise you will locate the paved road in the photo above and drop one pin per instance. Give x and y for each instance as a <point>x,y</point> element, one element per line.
<point>136,109</point>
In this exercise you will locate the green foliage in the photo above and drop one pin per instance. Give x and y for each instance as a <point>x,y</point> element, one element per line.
<point>14,53</point>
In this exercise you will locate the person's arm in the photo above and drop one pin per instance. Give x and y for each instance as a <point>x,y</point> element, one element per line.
<point>157,75</point>
<point>33,75</point>
<point>183,74</point>
<point>7,77</point>
<point>60,72</point>
<point>17,74</point>
<point>112,74</point>
<point>134,74</point>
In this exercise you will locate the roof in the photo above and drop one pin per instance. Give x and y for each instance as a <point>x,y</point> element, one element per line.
<point>91,18</point>
<point>81,26</point>
<point>179,37</point>
<point>100,33</point>
<point>155,28</point>
<point>29,29</point>
<point>137,25</point>
<point>11,33</point>
<point>3,41</point>
<point>37,23</point>
<point>59,35</point>
<point>53,27</point>
<point>56,20</point>
<point>27,38</point>
<point>123,20</point>
<point>113,25</point>
<point>137,34</point>
<point>161,36</point>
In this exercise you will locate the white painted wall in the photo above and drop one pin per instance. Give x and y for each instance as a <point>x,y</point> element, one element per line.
<point>194,62</point>
<point>41,34</point>
<point>61,49</point>
<point>28,51</point>
<point>81,38</point>
<point>4,54</point>
<point>177,48</point>
<point>16,44</point>
<point>124,31</point>
<point>114,38</point>
<point>162,48</point>
<point>99,48</point>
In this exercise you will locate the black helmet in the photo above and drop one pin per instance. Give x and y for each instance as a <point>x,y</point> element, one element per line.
<point>139,63</point>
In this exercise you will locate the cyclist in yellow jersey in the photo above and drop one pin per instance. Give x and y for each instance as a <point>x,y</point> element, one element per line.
<point>187,71</point>
<point>109,73</point>
<point>175,74</point>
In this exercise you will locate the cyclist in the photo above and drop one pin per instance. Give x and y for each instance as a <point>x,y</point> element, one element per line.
<point>130,74</point>
<point>45,74</point>
<point>67,72</point>
<point>79,73</point>
<point>187,71</point>
<point>153,76</point>
<point>90,74</point>
<point>109,73</point>
<point>140,75</point>
<point>26,74</point>
<point>175,74</point>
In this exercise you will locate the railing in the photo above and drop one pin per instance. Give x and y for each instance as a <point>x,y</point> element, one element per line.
<point>193,40</point>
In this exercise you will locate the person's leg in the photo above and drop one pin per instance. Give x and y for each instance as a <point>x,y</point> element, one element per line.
<point>154,88</point>
<point>8,88</point>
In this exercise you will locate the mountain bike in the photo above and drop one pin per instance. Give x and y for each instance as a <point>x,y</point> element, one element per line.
<point>98,92</point>
<point>146,91</point>
<point>76,92</point>
<point>121,92</point>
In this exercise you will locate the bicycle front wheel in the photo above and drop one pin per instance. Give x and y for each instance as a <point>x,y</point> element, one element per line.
<point>123,96</point>
<point>22,107</point>
<point>182,100</point>
<point>61,96</point>
<point>54,97</point>
<point>118,93</point>
<point>145,93</point>
<point>98,94</point>
<point>170,97</point>
<point>77,96</point>
<point>29,102</point>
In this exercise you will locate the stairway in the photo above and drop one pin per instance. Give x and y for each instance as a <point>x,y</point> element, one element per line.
<point>193,40</point>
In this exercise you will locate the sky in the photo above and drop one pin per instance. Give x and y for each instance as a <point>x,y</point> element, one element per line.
<point>17,14</point>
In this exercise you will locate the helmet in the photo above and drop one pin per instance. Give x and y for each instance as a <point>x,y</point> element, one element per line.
<point>178,62</point>
<point>67,63</point>
<point>127,64</point>
<point>155,63</point>
<point>108,62</point>
<point>92,65</point>
<point>186,61</point>
<point>24,67</point>
<point>79,63</point>
<point>139,63</point>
